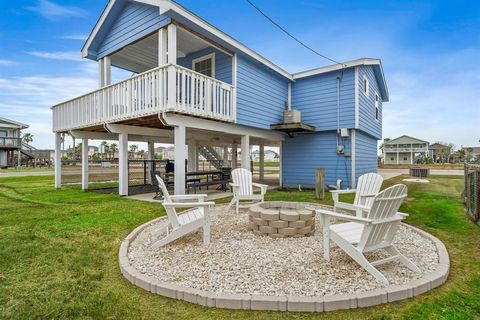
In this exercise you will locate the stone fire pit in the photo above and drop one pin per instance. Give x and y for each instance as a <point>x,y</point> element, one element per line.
<point>281,219</point>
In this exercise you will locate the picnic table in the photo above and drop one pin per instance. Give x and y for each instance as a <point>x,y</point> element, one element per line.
<point>198,179</point>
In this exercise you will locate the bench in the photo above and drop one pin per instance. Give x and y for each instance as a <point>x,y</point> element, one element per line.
<point>200,184</point>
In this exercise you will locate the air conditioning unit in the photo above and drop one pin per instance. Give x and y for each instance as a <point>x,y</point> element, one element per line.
<point>291,116</point>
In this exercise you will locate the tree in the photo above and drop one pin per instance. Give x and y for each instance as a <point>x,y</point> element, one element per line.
<point>27,137</point>
<point>133,148</point>
<point>113,149</point>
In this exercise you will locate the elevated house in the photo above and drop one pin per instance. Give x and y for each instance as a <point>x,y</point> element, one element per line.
<point>404,150</point>
<point>11,145</point>
<point>195,85</point>
<point>440,153</point>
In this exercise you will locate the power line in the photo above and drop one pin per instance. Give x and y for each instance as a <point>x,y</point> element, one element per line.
<point>291,35</point>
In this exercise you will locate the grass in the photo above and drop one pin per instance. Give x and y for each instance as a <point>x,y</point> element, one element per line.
<point>58,256</point>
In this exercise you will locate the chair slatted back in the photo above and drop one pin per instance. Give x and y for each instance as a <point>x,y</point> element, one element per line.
<point>171,212</point>
<point>369,183</point>
<point>243,178</point>
<point>385,205</point>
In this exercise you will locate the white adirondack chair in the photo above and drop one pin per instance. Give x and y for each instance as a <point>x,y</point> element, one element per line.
<point>367,187</point>
<point>242,188</point>
<point>374,232</point>
<point>184,223</point>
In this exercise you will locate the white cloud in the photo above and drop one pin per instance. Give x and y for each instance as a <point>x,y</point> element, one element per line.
<point>76,36</point>
<point>52,11</point>
<point>57,55</point>
<point>6,62</point>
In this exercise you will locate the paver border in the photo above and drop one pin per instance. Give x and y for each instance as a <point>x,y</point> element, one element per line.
<point>287,303</point>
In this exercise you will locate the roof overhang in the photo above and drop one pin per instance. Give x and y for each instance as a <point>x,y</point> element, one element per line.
<point>14,124</point>
<point>377,67</point>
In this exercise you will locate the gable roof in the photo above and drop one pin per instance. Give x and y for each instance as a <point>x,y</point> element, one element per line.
<point>404,139</point>
<point>178,13</point>
<point>437,145</point>
<point>13,123</point>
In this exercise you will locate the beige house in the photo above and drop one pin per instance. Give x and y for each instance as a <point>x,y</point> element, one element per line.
<point>404,150</point>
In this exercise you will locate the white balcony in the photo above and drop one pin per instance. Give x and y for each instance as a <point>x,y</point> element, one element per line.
<point>147,94</point>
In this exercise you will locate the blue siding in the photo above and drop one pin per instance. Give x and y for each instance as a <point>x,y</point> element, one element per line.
<point>367,121</point>
<point>261,94</point>
<point>304,153</point>
<point>134,22</point>
<point>223,63</point>
<point>366,154</point>
<point>316,98</point>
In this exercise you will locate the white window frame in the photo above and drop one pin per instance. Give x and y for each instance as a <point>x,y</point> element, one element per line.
<point>205,57</point>
<point>366,86</point>
<point>377,106</point>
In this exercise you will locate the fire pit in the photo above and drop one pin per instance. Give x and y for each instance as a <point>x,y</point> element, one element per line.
<point>280,219</point>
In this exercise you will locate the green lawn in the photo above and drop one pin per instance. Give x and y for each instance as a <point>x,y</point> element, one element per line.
<point>58,256</point>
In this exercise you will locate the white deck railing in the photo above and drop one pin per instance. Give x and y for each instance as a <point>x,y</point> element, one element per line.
<point>405,149</point>
<point>147,94</point>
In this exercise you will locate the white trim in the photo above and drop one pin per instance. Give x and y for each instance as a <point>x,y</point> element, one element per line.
<point>365,86</point>
<point>354,157</point>
<point>289,96</point>
<point>205,57</point>
<point>96,28</point>
<point>338,66</point>
<point>357,101</point>
<point>16,123</point>
<point>234,88</point>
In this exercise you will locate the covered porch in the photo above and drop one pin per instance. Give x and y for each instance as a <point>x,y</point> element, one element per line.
<point>188,135</point>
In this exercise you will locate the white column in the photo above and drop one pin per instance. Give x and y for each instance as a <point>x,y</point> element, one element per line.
<point>101,73</point>
<point>123,164</point>
<point>262,162</point>
<point>58,160</point>
<point>245,152</point>
<point>398,156</point>
<point>234,155</point>
<point>234,84</point>
<point>84,164</point>
<point>411,153</point>
<point>162,47</point>
<point>225,157</point>
<point>179,152</point>
<point>151,156</point>
<point>172,43</point>
<point>192,155</point>
<point>107,65</point>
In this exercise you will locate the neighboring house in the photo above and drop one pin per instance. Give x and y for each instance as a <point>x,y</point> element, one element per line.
<point>92,150</point>
<point>472,153</point>
<point>270,155</point>
<point>197,86</point>
<point>440,153</point>
<point>404,150</point>
<point>11,142</point>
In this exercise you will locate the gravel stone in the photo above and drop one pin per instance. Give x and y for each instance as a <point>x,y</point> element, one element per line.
<point>242,262</point>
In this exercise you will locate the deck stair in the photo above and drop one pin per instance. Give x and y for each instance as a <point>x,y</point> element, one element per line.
<point>28,150</point>
<point>214,155</point>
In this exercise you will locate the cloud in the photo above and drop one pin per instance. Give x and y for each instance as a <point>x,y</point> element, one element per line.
<point>6,62</point>
<point>76,36</point>
<point>57,55</point>
<point>53,11</point>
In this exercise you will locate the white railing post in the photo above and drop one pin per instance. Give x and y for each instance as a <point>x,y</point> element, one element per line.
<point>172,87</point>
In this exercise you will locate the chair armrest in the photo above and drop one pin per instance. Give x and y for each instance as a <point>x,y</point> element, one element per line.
<point>259,185</point>
<point>189,196</point>
<point>188,204</point>
<point>403,214</point>
<point>361,207</point>
<point>342,216</point>
<point>343,191</point>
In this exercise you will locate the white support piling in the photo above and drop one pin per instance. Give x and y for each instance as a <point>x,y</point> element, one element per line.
<point>179,152</point>
<point>84,164</point>
<point>123,164</point>
<point>58,160</point>
<point>245,152</point>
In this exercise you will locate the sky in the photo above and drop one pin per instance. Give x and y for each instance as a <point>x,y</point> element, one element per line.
<point>430,52</point>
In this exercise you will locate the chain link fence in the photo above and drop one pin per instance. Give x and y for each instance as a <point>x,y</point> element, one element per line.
<point>472,190</point>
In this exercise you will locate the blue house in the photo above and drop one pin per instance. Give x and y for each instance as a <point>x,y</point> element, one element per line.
<point>197,87</point>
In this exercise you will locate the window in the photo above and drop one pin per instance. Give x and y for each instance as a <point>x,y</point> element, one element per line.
<point>366,86</point>
<point>205,65</point>
<point>377,102</point>
<point>3,133</point>
<point>404,158</point>
<point>392,158</point>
